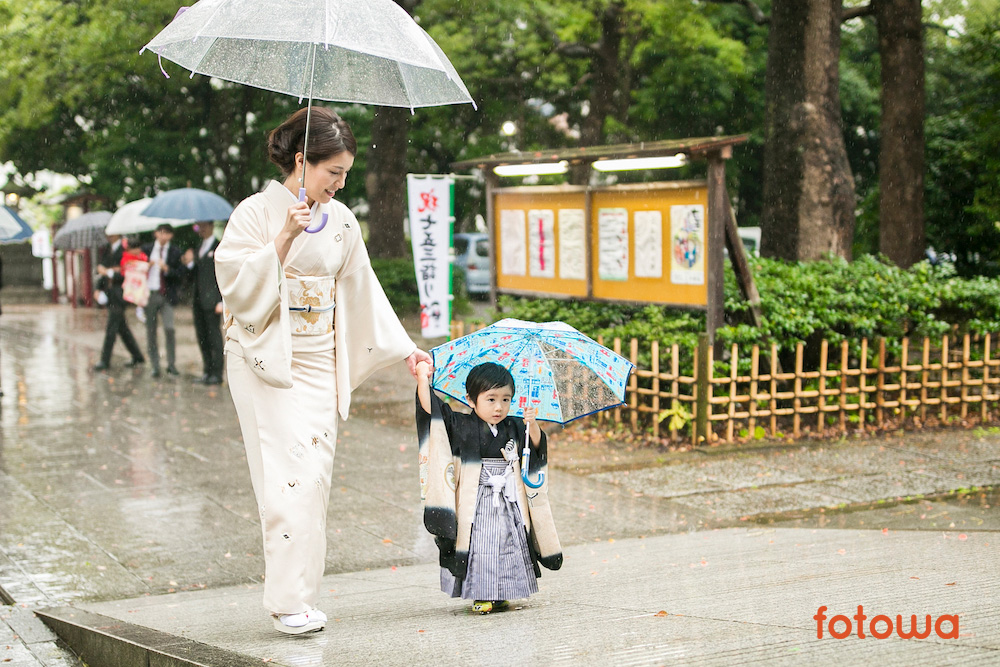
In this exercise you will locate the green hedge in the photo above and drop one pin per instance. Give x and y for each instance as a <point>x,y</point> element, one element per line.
<point>833,300</point>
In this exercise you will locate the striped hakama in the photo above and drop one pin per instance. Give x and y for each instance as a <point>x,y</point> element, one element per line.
<point>500,566</point>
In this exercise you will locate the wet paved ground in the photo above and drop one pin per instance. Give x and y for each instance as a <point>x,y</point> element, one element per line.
<point>129,497</point>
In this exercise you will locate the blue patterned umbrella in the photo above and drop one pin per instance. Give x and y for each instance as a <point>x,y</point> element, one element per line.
<point>565,374</point>
<point>559,371</point>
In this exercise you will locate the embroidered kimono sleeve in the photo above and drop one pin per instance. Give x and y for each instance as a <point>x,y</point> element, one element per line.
<point>252,283</point>
<point>438,472</point>
<point>368,334</point>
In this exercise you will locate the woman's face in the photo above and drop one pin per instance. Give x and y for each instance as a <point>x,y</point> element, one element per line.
<point>323,179</point>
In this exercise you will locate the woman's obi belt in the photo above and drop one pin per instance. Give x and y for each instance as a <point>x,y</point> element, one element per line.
<point>311,304</point>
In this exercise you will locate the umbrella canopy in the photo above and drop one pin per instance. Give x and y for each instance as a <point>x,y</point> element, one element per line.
<point>189,204</point>
<point>366,51</point>
<point>12,228</point>
<point>85,231</point>
<point>562,372</point>
<point>129,219</point>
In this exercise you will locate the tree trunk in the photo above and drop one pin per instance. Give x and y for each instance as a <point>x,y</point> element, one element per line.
<point>808,187</point>
<point>385,178</point>
<point>385,182</point>
<point>901,149</point>
<point>606,88</point>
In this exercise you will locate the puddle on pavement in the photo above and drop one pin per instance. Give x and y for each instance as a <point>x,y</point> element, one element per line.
<point>966,511</point>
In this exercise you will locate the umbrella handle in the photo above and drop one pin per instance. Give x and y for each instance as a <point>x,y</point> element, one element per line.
<point>312,229</point>
<point>525,457</point>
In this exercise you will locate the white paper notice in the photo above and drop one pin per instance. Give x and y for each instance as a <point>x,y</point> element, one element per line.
<point>572,248</point>
<point>687,239</point>
<point>542,243</point>
<point>512,243</point>
<point>612,240</point>
<point>648,244</point>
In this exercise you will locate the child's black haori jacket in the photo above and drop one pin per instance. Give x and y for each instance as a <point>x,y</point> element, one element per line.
<point>452,447</point>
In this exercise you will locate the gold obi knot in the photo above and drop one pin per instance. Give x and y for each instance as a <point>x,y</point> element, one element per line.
<point>311,304</point>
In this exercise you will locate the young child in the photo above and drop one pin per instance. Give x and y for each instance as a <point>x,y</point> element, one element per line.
<point>492,532</point>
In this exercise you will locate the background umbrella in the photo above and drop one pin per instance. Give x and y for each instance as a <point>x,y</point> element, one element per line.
<point>12,228</point>
<point>85,231</point>
<point>556,369</point>
<point>366,51</point>
<point>129,219</point>
<point>189,204</point>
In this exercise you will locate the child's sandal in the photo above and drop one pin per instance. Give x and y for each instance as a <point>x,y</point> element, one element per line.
<point>482,606</point>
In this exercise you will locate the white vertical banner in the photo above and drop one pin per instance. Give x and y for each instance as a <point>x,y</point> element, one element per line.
<point>431,218</point>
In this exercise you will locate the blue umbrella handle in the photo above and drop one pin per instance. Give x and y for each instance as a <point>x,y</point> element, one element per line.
<point>312,229</point>
<point>525,457</point>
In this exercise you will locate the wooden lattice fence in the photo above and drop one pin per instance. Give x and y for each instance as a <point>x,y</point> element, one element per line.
<point>851,385</point>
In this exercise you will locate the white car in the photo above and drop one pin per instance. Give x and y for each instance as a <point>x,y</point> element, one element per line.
<point>472,255</point>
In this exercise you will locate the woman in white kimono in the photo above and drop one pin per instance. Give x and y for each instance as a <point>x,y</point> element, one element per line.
<point>306,322</point>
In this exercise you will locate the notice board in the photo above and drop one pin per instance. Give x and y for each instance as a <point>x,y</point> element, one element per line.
<point>636,243</point>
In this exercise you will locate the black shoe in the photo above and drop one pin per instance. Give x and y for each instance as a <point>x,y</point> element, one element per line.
<point>213,379</point>
<point>202,379</point>
<point>156,372</point>
<point>138,361</point>
<point>172,370</point>
<point>100,366</point>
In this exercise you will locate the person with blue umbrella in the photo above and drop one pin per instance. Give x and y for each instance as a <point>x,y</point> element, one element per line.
<point>491,528</point>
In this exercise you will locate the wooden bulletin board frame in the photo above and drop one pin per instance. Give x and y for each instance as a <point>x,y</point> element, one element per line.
<point>615,285</point>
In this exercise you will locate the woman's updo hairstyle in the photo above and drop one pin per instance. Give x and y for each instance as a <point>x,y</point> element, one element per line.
<point>329,135</point>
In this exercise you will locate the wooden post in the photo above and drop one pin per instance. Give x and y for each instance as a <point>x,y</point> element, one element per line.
<point>654,352</point>
<point>880,385</point>
<point>797,399</point>
<point>675,384</point>
<point>821,403</point>
<point>716,239</point>
<point>944,380</point>
<point>703,384</point>
<point>492,183</point>
<point>754,374</point>
<point>741,266</point>
<point>634,385</point>
<point>983,410</point>
<point>618,350</point>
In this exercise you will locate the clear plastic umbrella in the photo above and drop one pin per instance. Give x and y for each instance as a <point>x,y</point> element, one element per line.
<point>365,51</point>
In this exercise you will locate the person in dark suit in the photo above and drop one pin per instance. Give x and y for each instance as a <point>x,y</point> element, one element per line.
<point>207,303</point>
<point>166,273</point>
<point>109,292</point>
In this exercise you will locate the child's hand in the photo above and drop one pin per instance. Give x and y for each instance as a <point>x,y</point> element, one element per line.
<point>423,369</point>
<point>529,415</point>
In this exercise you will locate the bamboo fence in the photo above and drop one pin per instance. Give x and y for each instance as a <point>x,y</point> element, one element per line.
<point>848,386</point>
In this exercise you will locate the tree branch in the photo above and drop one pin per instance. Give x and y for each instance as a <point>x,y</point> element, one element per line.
<point>755,13</point>
<point>855,12</point>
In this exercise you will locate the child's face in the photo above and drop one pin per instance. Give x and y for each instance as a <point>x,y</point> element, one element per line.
<point>493,405</point>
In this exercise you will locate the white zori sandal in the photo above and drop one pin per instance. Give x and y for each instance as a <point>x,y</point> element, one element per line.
<point>297,624</point>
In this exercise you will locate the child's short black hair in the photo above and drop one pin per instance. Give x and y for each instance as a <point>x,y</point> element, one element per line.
<point>487,376</point>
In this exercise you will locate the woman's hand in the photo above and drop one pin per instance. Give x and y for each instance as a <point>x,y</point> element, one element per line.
<point>296,221</point>
<point>415,358</point>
